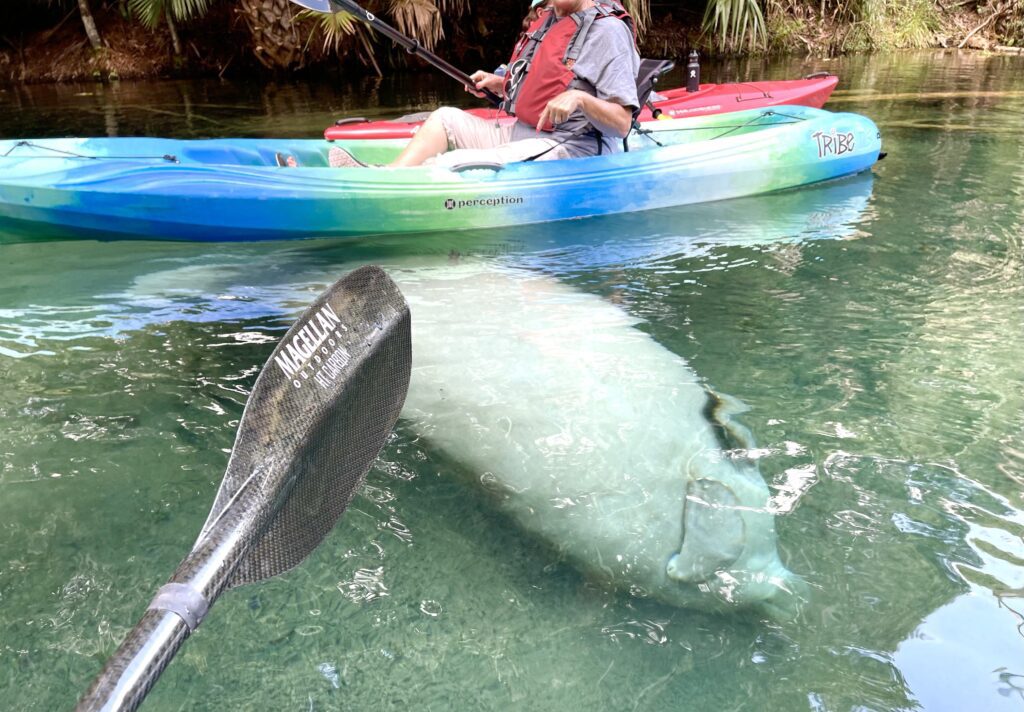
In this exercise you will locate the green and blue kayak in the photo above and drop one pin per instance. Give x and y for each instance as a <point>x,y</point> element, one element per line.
<point>233,189</point>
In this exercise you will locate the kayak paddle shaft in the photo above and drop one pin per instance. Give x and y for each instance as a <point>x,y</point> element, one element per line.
<point>414,47</point>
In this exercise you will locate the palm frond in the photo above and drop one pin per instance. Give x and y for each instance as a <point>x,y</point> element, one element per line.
<point>419,19</point>
<point>339,27</point>
<point>734,23</point>
<point>640,11</point>
<point>150,12</point>
<point>456,8</point>
<point>187,9</point>
<point>334,27</point>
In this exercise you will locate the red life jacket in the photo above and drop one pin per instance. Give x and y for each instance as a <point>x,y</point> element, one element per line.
<point>542,61</point>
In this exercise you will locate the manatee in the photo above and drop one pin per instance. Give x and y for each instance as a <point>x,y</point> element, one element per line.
<point>593,438</point>
<point>581,428</point>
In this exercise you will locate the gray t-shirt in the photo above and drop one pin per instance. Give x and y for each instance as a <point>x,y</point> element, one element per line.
<point>607,67</point>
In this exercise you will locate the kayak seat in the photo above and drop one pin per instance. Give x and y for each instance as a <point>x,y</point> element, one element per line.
<point>647,78</point>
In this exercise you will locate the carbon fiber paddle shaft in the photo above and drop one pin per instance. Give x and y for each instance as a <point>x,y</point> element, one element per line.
<point>133,670</point>
<point>409,44</point>
<point>137,664</point>
<point>176,611</point>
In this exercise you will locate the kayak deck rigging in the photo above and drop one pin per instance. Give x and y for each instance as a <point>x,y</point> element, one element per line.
<point>381,152</point>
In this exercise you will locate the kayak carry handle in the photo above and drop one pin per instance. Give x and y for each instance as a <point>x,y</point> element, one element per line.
<point>352,120</point>
<point>817,75</point>
<point>472,165</point>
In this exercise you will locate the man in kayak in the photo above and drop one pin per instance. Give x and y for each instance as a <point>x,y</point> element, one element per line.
<point>571,85</point>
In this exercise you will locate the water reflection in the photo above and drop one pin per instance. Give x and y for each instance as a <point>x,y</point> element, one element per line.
<point>211,108</point>
<point>121,291</point>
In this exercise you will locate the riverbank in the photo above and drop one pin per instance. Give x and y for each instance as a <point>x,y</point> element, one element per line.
<point>62,53</point>
<point>221,43</point>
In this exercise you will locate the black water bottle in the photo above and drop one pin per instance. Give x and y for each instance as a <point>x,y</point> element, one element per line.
<point>693,72</point>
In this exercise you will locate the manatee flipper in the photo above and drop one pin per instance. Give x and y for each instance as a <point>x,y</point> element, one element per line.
<point>719,410</point>
<point>714,533</point>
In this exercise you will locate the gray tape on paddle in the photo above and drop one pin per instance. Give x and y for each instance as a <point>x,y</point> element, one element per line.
<point>184,601</point>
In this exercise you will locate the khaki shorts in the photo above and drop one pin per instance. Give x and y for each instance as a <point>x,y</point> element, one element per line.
<point>472,139</point>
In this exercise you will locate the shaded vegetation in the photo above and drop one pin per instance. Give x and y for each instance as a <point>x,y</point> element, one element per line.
<point>110,39</point>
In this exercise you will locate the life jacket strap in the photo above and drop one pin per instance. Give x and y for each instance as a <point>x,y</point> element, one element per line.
<point>587,131</point>
<point>586,21</point>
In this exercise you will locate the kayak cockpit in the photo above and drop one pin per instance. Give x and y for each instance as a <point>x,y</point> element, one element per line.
<point>64,153</point>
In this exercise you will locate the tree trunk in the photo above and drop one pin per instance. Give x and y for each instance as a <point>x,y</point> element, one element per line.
<point>173,31</point>
<point>90,24</point>
<point>275,38</point>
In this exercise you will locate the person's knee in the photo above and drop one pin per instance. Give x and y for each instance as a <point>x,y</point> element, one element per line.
<point>445,122</point>
<point>445,116</point>
<point>447,111</point>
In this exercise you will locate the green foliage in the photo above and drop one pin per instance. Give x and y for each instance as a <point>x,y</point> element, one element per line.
<point>640,11</point>
<point>893,24</point>
<point>735,24</point>
<point>1011,21</point>
<point>784,29</point>
<point>337,28</point>
<point>334,27</point>
<point>817,26</point>
<point>424,20</point>
<point>150,12</point>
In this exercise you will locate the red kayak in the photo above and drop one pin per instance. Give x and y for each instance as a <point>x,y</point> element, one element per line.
<point>813,90</point>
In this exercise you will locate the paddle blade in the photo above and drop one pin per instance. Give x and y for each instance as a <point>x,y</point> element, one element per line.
<point>315,5</point>
<point>319,414</point>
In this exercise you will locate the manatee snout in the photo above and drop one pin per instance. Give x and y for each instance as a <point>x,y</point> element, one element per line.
<point>729,552</point>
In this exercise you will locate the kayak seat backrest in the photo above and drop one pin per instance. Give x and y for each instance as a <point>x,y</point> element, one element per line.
<point>647,78</point>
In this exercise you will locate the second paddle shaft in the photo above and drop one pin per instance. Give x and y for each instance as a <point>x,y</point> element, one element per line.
<point>413,47</point>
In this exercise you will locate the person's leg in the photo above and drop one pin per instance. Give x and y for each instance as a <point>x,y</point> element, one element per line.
<point>430,140</point>
<point>449,129</point>
<point>539,149</point>
<point>451,137</point>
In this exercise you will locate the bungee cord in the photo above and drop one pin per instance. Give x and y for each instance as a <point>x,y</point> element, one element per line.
<point>72,154</point>
<point>728,129</point>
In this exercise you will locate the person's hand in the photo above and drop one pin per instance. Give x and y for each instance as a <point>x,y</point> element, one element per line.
<point>561,107</point>
<point>486,80</point>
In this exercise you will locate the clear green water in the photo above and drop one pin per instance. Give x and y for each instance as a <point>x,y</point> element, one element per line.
<point>873,326</point>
